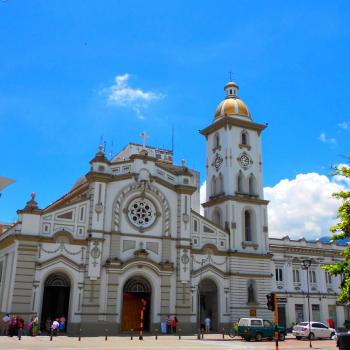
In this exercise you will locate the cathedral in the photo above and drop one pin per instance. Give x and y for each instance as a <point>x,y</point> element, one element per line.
<point>131,229</point>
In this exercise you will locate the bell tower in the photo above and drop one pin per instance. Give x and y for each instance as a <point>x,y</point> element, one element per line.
<point>234,181</point>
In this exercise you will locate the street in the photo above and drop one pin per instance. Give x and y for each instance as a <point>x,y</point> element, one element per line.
<point>212,341</point>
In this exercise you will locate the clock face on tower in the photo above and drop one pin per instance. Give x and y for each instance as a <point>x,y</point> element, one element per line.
<point>217,161</point>
<point>244,160</point>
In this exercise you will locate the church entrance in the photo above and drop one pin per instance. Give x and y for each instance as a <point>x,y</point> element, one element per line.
<point>55,298</point>
<point>208,303</point>
<point>136,289</point>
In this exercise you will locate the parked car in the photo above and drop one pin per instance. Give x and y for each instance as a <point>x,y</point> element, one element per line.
<point>318,330</point>
<point>258,329</point>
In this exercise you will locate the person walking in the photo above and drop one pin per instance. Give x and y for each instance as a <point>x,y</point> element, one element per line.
<point>35,325</point>
<point>62,324</point>
<point>207,323</point>
<point>20,326</point>
<point>48,325</point>
<point>6,320</point>
<point>13,329</point>
<point>55,326</point>
<point>168,324</point>
<point>174,324</point>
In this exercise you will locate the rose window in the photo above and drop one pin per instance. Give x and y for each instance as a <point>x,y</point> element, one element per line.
<point>141,212</point>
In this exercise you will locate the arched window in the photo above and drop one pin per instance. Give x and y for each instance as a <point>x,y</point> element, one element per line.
<point>240,182</point>
<point>216,140</point>
<point>251,292</point>
<point>244,138</point>
<point>220,184</point>
<point>252,189</point>
<point>213,186</point>
<point>216,218</point>
<point>248,226</point>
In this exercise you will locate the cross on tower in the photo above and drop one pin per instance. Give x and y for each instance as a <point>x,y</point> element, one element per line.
<point>144,136</point>
<point>230,75</point>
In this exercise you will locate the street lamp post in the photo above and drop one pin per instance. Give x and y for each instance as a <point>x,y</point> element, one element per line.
<point>199,303</point>
<point>306,266</point>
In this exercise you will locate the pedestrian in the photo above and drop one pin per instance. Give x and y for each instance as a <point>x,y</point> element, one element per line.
<point>48,325</point>
<point>168,324</point>
<point>207,322</point>
<point>35,325</point>
<point>55,326</point>
<point>20,326</point>
<point>235,328</point>
<point>13,329</point>
<point>62,324</point>
<point>30,326</point>
<point>174,324</point>
<point>6,320</point>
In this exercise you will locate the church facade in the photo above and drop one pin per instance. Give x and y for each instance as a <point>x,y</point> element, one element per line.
<point>131,229</point>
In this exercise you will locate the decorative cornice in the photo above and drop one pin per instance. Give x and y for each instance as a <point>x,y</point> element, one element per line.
<point>201,217</point>
<point>245,199</point>
<point>68,196</point>
<point>234,122</point>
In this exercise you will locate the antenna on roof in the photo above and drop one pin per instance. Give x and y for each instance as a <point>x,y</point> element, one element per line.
<point>230,75</point>
<point>111,151</point>
<point>172,139</point>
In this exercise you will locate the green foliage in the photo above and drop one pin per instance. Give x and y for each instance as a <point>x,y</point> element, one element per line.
<point>341,230</point>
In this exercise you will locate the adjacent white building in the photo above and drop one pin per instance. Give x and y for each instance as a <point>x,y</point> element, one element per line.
<point>130,229</point>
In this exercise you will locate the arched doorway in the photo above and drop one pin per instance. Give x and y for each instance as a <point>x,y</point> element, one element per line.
<point>208,303</point>
<point>55,298</point>
<point>136,289</point>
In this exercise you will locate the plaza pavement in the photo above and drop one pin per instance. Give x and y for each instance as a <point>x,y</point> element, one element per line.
<point>212,341</point>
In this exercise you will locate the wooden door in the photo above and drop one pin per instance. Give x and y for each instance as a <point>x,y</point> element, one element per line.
<point>131,312</point>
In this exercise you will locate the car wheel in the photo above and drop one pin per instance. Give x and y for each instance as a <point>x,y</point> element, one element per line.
<point>281,336</point>
<point>247,339</point>
<point>332,335</point>
<point>298,337</point>
<point>312,336</point>
<point>258,337</point>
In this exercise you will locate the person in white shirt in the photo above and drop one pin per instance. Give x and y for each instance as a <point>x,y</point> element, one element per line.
<point>207,322</point>
<point>6,323</point>
<point>54,327</point>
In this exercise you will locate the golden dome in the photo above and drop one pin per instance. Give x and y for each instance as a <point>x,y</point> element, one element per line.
<point>232,105</point>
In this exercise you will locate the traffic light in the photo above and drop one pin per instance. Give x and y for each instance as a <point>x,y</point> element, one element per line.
<point>271,301</point>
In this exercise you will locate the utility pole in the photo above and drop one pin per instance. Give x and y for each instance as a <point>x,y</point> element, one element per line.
<point>276,317</point>
<point>272,306</point>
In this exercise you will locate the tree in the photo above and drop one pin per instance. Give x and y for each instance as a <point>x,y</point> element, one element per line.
<point>342,231</point>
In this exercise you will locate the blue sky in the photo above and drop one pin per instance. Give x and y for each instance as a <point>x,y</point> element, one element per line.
<point>59,60</point>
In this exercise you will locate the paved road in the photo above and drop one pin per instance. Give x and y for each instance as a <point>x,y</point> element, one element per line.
<point>149,343</point>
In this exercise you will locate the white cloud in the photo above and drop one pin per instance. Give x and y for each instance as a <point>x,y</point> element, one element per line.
<point>202,195</point>
<point>121,94</point>
<point>344,125</point>
<point>303,206</point>
<point>323,138</point>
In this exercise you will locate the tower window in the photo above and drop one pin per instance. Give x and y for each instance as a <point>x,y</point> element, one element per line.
<point>230,91</point>
<point>247,226</point>
<point>216,140</point>
<point>240,182</point>
<point>244,138</point>
<point>251,184</point>
<point>213,186</point>
<point>217,216</point>
<point>220,184</point>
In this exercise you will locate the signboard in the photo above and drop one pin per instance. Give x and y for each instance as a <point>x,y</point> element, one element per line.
<point>252,313</point>
<point>281,300</point>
